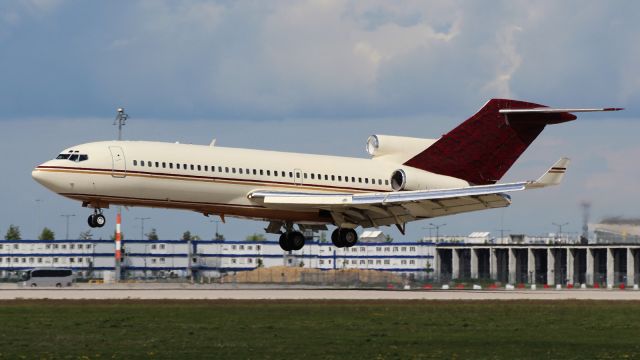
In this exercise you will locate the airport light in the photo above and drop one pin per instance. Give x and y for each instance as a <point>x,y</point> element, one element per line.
<point>142,227</point>
<point>559,234</point>
<point>67,216</point>
<point>437,227</point>
<point>120,121</point>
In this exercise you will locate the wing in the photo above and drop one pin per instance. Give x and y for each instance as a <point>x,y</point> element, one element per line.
<point>389,208</point>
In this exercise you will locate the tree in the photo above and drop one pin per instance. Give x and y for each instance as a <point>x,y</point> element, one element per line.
<point>259,263</point>
<point>13,233</point>
<point>219,236</point>
<point>152,235</point>
<point>323,237</point>
<point>113,237</point>
<point>47,234</point>
<point>85,235</point>
<point>186,236</point>
<point>388,238</point>
<point>256,237</point>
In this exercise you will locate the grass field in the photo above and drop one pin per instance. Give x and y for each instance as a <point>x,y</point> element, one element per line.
<point>319,330</point>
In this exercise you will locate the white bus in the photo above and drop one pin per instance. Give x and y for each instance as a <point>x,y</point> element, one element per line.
<point>48,277</point>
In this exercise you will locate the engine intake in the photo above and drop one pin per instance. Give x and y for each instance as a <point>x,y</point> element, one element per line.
<point>398,180</point>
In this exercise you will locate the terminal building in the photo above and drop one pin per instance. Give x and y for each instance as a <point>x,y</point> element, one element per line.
<point>201,258</point>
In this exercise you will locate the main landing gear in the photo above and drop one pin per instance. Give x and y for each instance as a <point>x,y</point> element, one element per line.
<point>291,240</point>
<point>344,237</point>
<point>96,220</point>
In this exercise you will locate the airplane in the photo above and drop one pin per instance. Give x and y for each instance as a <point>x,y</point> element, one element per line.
<point>405,179</point>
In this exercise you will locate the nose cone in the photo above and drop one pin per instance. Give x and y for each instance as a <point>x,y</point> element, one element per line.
<point>42,177</point>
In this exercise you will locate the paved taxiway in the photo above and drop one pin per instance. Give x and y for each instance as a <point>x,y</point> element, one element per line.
<point>195,293</point>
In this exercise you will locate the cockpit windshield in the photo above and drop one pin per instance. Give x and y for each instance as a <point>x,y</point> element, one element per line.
<point>73,155</point>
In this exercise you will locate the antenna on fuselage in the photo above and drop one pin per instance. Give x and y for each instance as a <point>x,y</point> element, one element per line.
<point>120,120</point>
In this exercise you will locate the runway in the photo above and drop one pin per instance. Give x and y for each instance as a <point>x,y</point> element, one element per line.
<point>148,292</point>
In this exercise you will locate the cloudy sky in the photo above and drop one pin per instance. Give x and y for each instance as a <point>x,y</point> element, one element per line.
<point>319,77</point>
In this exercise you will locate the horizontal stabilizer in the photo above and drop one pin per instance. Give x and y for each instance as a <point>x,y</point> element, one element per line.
<point>546,110</point>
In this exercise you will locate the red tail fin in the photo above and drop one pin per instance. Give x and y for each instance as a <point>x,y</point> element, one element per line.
<point>483,148</point>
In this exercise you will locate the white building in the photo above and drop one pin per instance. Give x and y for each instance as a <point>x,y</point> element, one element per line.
<point>178,258</point>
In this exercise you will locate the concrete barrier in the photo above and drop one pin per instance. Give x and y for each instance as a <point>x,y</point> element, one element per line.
<point>509,287</point>
<point>445,287</point>
<point>477,287</point>
<point>558,287</point>
<point>533,286</point>
<point>583,286</point>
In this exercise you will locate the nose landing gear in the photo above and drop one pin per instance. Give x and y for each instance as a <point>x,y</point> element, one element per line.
<point>96,220</point>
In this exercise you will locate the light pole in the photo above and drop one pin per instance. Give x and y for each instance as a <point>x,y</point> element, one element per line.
<point>120,121</point>
<point>559,234</point>
<point>437,227</point>
<point>67,216</point>
<point>428,228</point>
<point>215,237</point>
<point>142,219</point>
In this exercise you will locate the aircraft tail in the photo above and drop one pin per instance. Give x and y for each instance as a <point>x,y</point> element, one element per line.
<point>484,147</point>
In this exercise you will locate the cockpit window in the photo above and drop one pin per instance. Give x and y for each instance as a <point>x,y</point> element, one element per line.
<point>73,157</point>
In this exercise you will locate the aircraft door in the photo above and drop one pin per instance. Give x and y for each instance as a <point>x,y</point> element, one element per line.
<point>119,169</point>
<point>297,176</point>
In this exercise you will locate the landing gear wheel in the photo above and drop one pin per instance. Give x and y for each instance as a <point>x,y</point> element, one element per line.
<point>335,238</point>
<point>296,240</point>
<point>283,242</point>
<point>348,237</point>
<point>91,221</point>
<point>99,220</point>
<point>344,237</point>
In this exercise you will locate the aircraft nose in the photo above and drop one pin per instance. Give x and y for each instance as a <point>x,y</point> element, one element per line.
<point>42,177</point>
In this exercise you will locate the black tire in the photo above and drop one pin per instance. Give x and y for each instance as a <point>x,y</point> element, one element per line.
<point>34,285</point>
<point>58,285</point>
<point>99,220</point>
<point>335,238</point>
<point>348,237</point>
<point>91,221</point>
<point>296,240</point>
<point>284,242</point>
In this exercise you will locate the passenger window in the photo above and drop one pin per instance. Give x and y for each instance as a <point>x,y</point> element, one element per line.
<point>275,173</point>
<point>206,168</point>
<point>240,170</point>
<point>135,162</point>
<point>386,182</point>
<point>233,170</point>
<point>142,163</point>
<point>157,164</point>
<point>226,169</point>
<point>305,175</point>
<point>298,175</point>
<point>268,172</point>
<point>220,169</point>
<point>353,179</point>
<point>346,179</point>
<point>164,165</point>
<point>170,165</point>
<point>247,172</point>
<point>333,178</point>
<point>192,167</point>
<point>313,176</point>
<point>290,174</point>
<point>326,177</point>
<point>366,180</point>
<point>360,180</point>
<point>149,164</point>
<point>261,173</point>
<point>339,178</point>
<point>213,168</point>
<point>199,168</point>
<point>184,166</point>
<point>379,182</point>
<point>255,172</point>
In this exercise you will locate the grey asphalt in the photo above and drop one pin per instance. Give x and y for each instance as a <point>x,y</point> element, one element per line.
<point>196,292</point>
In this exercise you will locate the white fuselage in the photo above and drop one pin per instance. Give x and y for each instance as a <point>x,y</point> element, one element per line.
<point>215,180</point>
